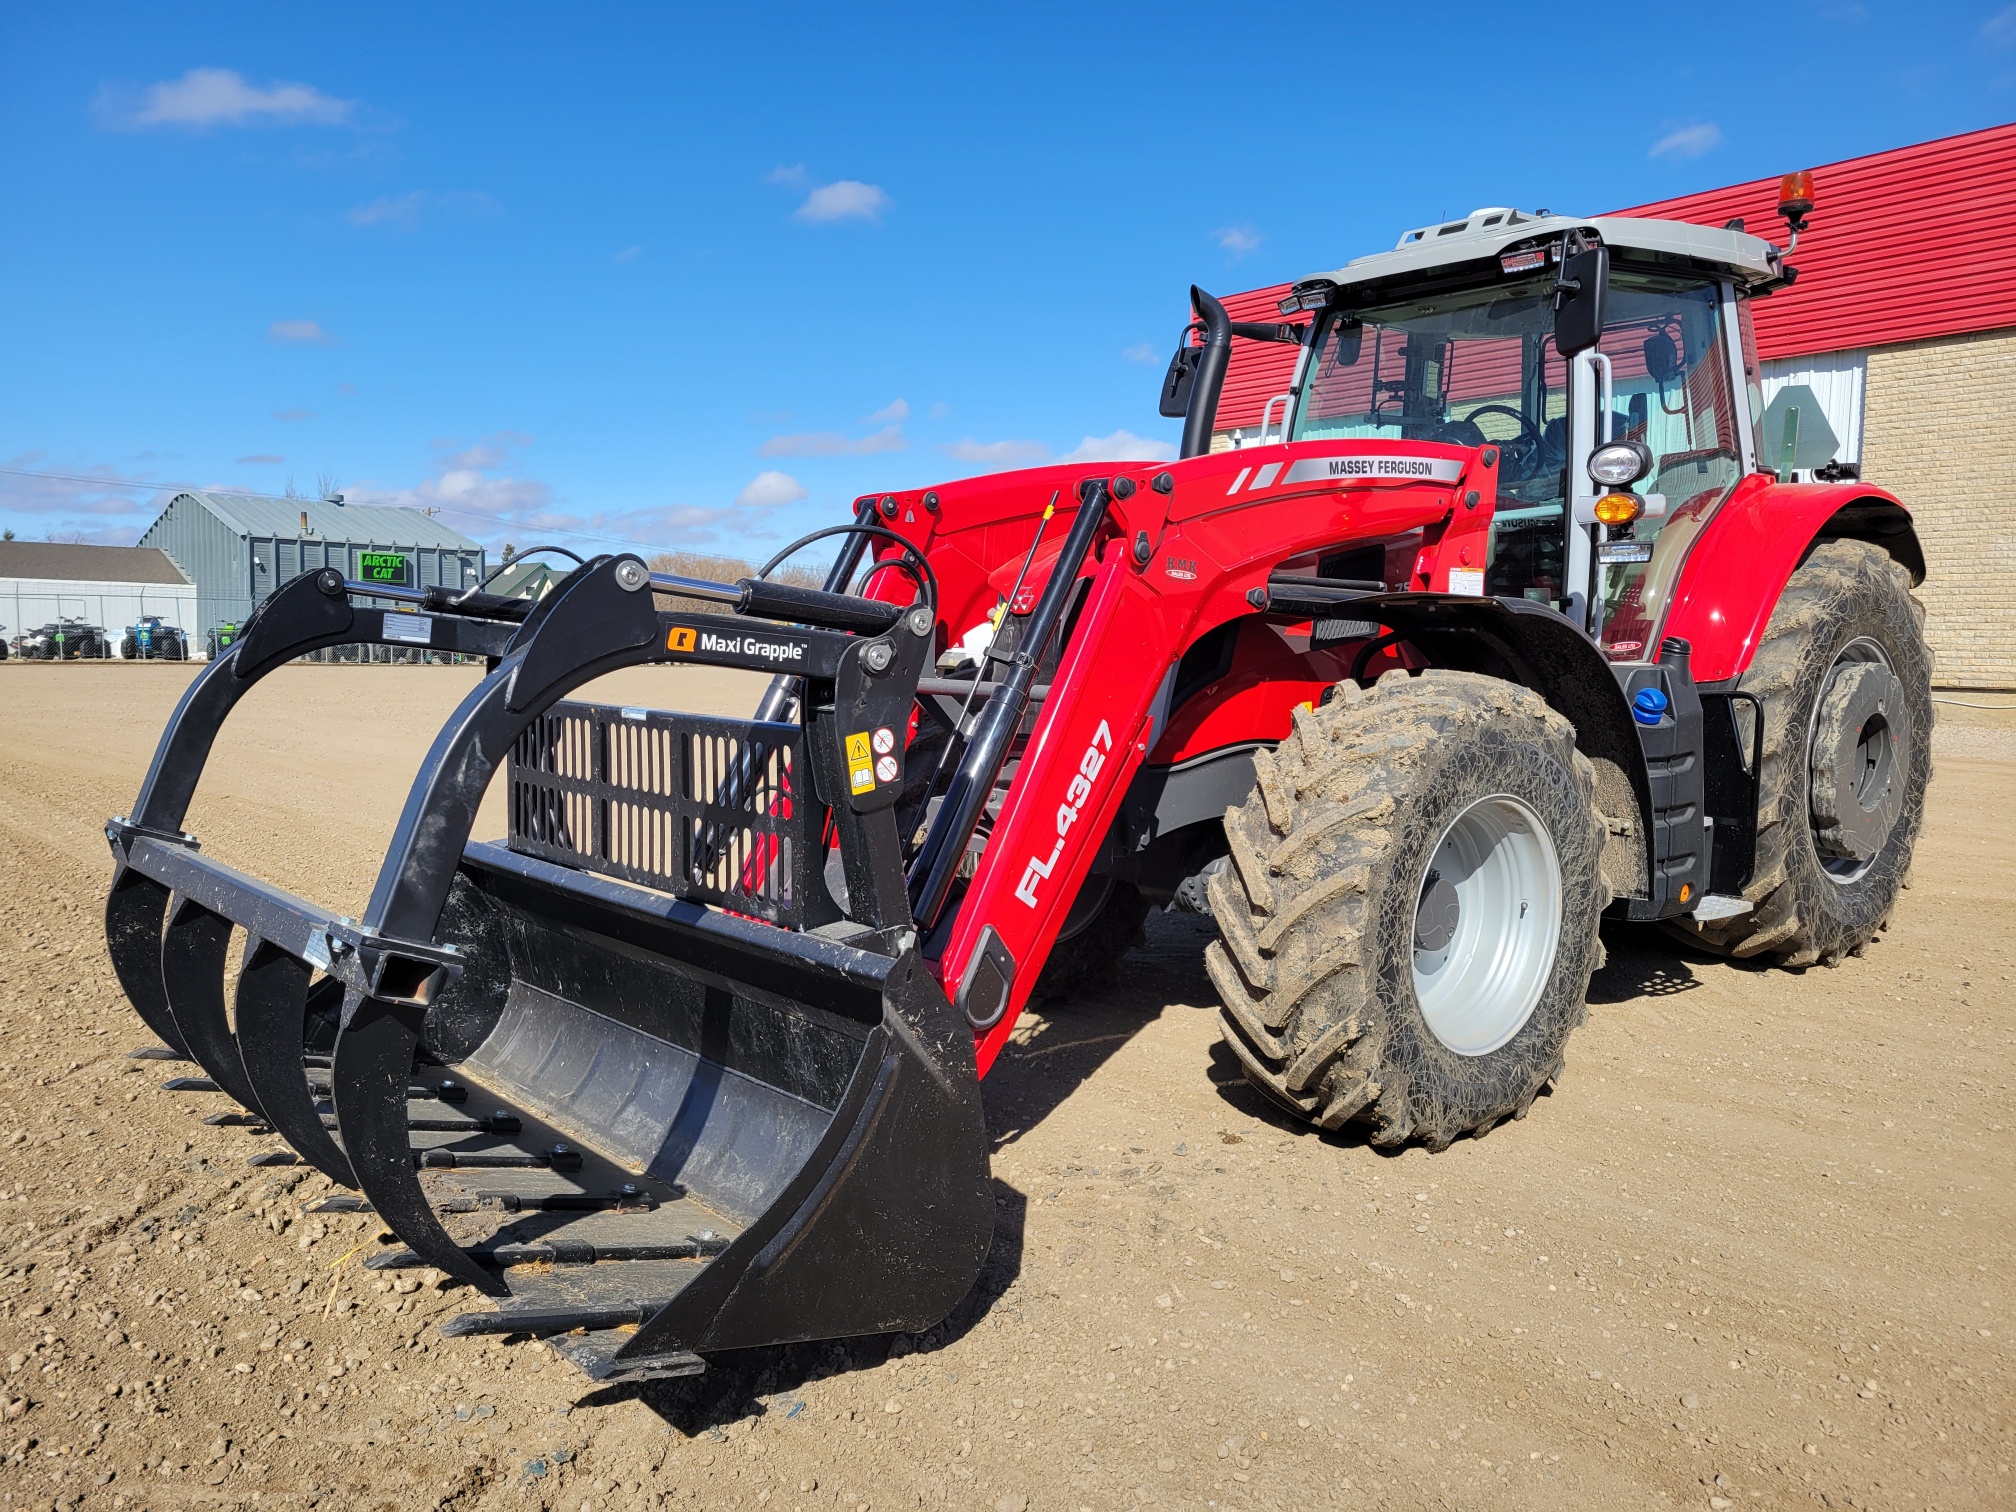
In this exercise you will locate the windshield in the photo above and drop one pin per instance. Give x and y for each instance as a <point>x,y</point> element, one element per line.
<point>1467,367</point>
<point>1478,365</point>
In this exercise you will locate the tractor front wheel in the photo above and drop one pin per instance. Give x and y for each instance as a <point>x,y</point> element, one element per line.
<point>1408,927</point>
<point>1845,679</point>
<point>1104,923</point>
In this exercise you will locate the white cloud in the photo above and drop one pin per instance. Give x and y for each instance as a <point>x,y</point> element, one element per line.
<point>1688,141</point>
<point>1999,30</point>
<point>1121,446</point>
<point>792,176</point>
<point>770,488</point>
<point>628,254</point>
<point>833,444</point>
<point>96,506</point>
<point>1240,241</point>
<point>294,414</point>
<point>940,410</point>
<point>402,211</point>
<point>205,97</point>
<point>849,199</point>
<point>892,413</point>
<point>465,483</point>
<point>997,456</point>
<point>300,332</point>
<point>262,459</point>
<point>481,490</point>
<point>1141,351</point>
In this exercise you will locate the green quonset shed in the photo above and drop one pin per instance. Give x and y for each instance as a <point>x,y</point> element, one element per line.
<point>237,548</point>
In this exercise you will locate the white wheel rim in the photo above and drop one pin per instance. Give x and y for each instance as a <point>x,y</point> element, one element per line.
<point>1478,976</point>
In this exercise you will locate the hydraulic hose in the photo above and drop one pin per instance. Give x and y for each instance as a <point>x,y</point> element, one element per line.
<point>937,863</point>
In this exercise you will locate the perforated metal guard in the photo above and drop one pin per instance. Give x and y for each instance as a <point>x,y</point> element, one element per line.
<point>705,809</point>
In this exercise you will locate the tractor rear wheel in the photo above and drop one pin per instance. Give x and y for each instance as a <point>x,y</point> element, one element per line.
<point>1409,924</point>
<point>1845,678</point>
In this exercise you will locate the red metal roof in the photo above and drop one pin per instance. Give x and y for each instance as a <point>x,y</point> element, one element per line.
<point>1257,371</point>
<point>1901,246</point>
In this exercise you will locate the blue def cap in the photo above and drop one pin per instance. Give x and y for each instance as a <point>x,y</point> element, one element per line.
<point>1648,707</point>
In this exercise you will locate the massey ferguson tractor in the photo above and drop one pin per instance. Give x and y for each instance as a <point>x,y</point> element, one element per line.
<point>1508,628</point>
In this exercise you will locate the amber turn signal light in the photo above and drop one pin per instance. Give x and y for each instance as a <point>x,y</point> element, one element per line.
<point>1619,508</point>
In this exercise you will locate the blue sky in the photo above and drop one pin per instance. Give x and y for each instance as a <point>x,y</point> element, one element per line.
<point>689,279</point>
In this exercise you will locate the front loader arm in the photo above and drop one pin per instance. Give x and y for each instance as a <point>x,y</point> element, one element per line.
<point>1088,741</point>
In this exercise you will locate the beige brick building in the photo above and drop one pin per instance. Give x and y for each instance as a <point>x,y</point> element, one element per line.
<point>1939,431</point>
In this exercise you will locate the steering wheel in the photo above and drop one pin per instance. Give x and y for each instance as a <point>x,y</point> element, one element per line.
<point>1526,445</point>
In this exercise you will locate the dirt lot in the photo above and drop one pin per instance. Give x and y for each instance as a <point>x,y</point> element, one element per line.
<point>1755,1252</point>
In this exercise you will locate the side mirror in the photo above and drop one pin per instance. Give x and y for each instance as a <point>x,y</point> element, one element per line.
<point>1662,357</point>
<point>1349,343</point>
<point>1180,379</point>
<point>1581,295</point>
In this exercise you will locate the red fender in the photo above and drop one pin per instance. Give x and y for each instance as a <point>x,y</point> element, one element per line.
<point>1737,570</point>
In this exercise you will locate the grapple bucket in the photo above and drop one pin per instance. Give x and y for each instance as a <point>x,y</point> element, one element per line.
<point>637,1076</point>
<point>726,1133</point>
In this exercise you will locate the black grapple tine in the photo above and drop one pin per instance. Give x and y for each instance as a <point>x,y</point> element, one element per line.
<point>134,913</point>
<point>272,1003</point>
<point>369,1073</point>
<point>194,951</point>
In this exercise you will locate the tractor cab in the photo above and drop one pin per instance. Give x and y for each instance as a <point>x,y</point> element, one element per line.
<point>1609,361</point>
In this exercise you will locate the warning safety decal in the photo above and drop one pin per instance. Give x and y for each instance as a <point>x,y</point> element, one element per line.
<point>860,764</point>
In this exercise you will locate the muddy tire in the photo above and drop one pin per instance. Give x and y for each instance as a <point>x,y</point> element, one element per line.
<point>1409,924</point>
<point>1089,948</point>
<point>1845,678</point>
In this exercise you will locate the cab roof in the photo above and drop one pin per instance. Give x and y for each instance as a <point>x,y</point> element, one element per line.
<point>1485,235</point>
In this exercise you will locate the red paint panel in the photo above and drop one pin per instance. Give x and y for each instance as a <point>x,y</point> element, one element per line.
<point>1739,567</point>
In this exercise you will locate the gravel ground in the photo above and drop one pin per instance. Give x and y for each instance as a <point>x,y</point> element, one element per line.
<point>1756,1250</point>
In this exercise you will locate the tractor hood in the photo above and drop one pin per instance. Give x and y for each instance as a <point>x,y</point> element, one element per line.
<point>1486,235</point>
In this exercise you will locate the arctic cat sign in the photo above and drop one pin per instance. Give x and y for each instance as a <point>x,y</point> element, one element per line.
<point>387,567</point>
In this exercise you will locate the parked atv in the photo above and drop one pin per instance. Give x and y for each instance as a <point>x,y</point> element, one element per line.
<point>149,638</point>
<point>65,640</point>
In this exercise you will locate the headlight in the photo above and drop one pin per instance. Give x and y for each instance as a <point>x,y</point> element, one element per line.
<point>1619,464</point>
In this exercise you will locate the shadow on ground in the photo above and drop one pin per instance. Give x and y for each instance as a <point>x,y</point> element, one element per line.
<point>1069,1043</point>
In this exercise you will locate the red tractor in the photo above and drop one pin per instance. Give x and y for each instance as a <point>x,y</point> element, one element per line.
<point>1510,626</point>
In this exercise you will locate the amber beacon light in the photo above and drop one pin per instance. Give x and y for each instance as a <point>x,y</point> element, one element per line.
<point>1795,199</point>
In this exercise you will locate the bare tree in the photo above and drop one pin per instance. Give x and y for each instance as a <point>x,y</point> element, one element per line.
<point>325,486</point>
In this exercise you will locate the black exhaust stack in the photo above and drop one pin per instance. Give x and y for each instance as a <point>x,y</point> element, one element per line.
<point>1208,382</point>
